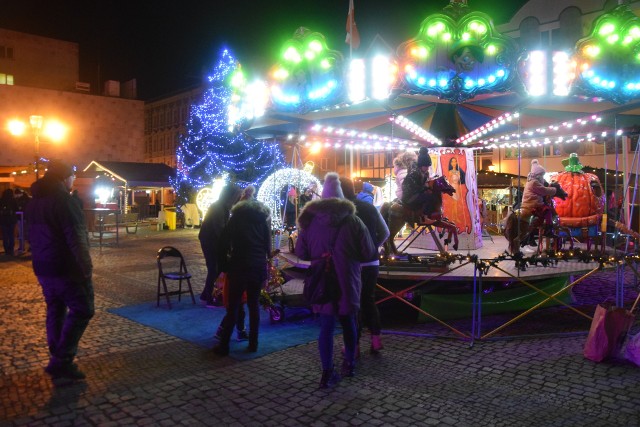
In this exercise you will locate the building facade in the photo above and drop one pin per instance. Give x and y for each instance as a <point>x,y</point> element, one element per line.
<point>39,76</point>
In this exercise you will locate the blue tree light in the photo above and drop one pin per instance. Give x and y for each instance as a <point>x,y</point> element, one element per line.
<point>210,148</point>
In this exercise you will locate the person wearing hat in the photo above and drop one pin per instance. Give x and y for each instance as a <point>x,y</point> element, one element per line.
<point>414,185</point>
<point>330,225</point>
<point>62,263</point>
<point>535,191</point>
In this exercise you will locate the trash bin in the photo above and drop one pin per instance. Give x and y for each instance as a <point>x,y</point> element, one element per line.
<point>171,215</point>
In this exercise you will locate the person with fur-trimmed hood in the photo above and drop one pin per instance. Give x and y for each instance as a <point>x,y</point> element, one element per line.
<point>247,240</point>
<point>401,165</point>
<point>332,220</point>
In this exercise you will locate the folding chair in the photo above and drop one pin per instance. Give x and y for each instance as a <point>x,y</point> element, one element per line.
<point>171,266</point>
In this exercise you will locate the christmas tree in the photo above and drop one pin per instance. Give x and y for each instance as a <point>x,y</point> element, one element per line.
<point>212,147</point>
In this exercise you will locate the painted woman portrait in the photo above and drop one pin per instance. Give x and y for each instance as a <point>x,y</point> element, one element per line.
<point>455,207</point>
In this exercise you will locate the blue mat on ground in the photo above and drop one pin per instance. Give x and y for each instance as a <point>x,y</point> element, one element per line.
<point>197,324</point>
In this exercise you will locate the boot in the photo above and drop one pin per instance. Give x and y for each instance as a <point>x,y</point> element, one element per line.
<point>376,344</point>
<point>348,369</point>
<point>329,378</point>
<point>242,335</point>
<point>253,346</point>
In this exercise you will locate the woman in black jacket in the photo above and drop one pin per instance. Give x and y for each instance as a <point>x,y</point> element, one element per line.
<point>247,239</point>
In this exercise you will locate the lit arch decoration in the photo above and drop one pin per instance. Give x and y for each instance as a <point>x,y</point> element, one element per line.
<point>309,76</point>
<point>269,192</point>
<point>608,59</point>
<point>457,55</point>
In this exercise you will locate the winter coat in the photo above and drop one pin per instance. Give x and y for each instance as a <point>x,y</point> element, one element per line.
<point>413,185</point>
<point>533,197</point>
<point>57,232</point>
<point>366,195</point>
<point>401,174</point>
<point>8,209</point>
<point>374,222</point>
<point>247,239</point>
<point>318,223</point>
<point>211,229</point>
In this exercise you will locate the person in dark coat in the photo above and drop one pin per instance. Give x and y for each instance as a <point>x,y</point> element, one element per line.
<point>247,239</point>
<point>210,231</point>
<point>8,221</point>
<point>414,185</point>
<point>379,232</point>
<point>62,263</point>
<point>321,223</point>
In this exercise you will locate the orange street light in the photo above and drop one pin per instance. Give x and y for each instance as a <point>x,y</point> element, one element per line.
<point>52,129</point>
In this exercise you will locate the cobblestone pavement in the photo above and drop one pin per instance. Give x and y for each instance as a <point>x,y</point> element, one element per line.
<point>140,376</point>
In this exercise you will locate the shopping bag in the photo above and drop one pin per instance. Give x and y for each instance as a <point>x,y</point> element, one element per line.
<point>222,283</point>
<point>609,327</point>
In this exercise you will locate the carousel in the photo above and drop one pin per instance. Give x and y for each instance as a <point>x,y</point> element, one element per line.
<point>459,76</point>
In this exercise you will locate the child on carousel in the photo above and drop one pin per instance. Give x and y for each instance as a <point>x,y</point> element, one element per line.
<point>533,199</point>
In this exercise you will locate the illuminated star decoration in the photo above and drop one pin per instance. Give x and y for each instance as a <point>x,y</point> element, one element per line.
<point>209,195</point>
<point>458,55</point>
<point>269,192</point>
<point>309,75</point>
<point>608,59</point>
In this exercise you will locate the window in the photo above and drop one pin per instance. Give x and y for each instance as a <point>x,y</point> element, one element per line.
<point>530,32</point>
<point>10,52</point>
<point>366,161</point>
<point>6,79</point>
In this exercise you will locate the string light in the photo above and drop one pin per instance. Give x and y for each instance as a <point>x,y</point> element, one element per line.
<point>270,191</point>
<point>209,150</point>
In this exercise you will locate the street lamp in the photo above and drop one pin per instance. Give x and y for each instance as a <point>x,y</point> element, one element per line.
<point>36,126</point>
<point>51,129</point>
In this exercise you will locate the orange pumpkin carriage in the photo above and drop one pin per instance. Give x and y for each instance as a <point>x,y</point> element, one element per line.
<point>581,212</point>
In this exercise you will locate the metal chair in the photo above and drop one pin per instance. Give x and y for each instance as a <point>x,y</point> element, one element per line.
<point>171,266</point>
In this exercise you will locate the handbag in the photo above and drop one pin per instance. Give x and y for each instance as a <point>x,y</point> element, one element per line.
<point>321,284</point>
<point>608,329</point>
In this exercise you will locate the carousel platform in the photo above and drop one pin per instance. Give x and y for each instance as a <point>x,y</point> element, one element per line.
<point>475,283</point>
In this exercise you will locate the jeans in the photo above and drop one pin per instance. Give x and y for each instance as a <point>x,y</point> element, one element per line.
<point>369,313</point>
<point>237,286</point>
<point>8,238</point>
<point>325,340</point>
<point>70,306</point>
<point>210,281</point>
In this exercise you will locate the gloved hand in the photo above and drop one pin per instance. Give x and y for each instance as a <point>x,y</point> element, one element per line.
<point>560,193</point>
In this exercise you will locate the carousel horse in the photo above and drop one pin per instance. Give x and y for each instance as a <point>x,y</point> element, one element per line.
<point>396,214</point>
<point>519,231</point>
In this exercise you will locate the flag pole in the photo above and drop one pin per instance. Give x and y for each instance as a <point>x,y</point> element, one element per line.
<point>351,19</point>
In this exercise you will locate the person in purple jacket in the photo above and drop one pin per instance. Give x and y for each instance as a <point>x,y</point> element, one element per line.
<point>332,219</point>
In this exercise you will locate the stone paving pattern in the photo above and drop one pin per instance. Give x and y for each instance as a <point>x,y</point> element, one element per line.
<point>140,376</point>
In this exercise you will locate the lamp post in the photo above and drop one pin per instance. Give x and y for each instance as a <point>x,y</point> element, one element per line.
<point>36,126</point>
<point>52,130</point>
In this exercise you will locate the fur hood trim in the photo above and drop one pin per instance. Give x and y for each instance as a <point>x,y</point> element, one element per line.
<point>330,211</point>
<point>250,206</point>
<point>405,160</point>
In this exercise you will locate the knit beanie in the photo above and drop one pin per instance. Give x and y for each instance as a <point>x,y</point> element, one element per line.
<point>423,157</point>
<point>536,168</point>
<point>248,192</point>
<point>331,186</point>
<point>59,169</point>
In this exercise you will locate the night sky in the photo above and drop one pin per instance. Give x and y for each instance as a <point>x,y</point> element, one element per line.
<point>167,45</point>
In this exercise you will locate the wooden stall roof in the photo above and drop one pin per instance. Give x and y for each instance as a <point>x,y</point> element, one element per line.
<point>133,174</point>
